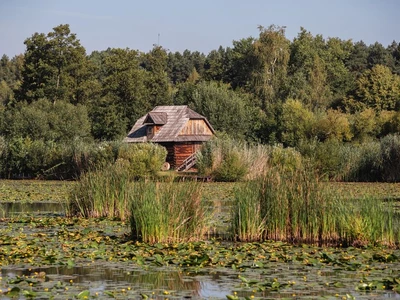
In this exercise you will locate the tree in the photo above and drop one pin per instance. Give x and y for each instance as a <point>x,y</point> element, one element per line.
<point>55,67</point>
<point>318,74</point>
<point>394,50</point>
<point>378,55</point>
<point>125,85</point>
<point>226,110</point>
<point>357,61</point>
<point>271,52</point>
<point>379,88</point>
<point>364,124</point>
<point>214,65</point>
<point>156,79</point>
<point>179,66</point>
<point>334,125</point>
<point>47,121</point>
<point>297,123</point>
<point>242,63</point>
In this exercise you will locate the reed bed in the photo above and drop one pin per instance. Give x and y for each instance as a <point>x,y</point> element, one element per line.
<point>165,212</point>
<point>292,205</point>
<point>101,193</point>
<point>158,212</point>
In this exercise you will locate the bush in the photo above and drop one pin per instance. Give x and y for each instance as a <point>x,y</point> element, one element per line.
<point>229,160</point>
<point>388,162</point>
<point>223,159</point>
<point>142,159</point>
<point>24,157</point>
<point>3,154</point>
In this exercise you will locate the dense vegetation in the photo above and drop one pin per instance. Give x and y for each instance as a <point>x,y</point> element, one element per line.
<point>335,101</point>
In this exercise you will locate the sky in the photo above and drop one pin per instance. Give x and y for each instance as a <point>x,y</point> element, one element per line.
<point>202,25</point>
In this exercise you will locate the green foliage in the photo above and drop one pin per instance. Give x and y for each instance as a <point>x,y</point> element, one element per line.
<point>228,111</point>
<point>58,122</point>
<point>223,159</point>
<point>101,193</point>
<point>108,121</point>
<point>333,125</point>
<point>378,88</point>
<point>297,123</point>
<point>271,52</point>
<point>125,84</point>
<point>55,67</point>
<point>389,158</point>
<point>364,124</point>
<point>168,212</point>
<point>24,157</point>
<point>291,205</point>
<point>141,159</point>
<point>232,168</point>
<point>230,160</point>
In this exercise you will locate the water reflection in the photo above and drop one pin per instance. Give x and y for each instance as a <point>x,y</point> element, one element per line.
<point>205,285</point>
<point>10,209</point>
<point>102,278</point>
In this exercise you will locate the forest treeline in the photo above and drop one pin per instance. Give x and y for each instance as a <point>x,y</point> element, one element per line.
<point>61,107</point>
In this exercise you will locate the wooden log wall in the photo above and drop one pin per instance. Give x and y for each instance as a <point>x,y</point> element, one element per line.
<point>194,127</point>
<point>184,150</point>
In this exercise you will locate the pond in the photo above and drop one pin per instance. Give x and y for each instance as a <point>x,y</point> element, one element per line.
<point>44,255</point>
<point>61,258</point>
<point>10,209</point>
<point>123,281</point>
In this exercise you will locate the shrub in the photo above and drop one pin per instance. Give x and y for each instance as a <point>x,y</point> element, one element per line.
<point>388,162</point>
<point>229,160</point>
<point>3,154</point>
<point>223,159</point>
<point>47,159</point>
<point>142,160</point>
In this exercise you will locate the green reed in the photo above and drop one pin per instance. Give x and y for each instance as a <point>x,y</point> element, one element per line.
<point>167,212</point>
<point>293,206</point>
<point>101,193</point>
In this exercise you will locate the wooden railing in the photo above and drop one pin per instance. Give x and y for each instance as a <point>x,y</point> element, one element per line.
<point>187,163</point>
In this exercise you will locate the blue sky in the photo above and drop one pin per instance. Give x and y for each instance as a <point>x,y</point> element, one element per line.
<point>195,25</point>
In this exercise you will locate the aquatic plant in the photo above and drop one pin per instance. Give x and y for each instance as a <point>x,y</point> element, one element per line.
<point>292,205</point>
<point>101,193</point>
<point>168,211</point>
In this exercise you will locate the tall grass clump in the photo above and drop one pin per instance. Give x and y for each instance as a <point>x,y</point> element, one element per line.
<point>164,212</point>
<point>102,193</point>
<point>292,205</point>
<point>248,219</point>
<point>371,221</point>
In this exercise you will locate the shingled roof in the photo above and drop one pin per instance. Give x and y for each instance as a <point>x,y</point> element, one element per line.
<point>173,119</point>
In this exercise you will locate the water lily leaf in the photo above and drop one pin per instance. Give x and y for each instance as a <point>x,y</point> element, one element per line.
<point>158,260</point>
<point>397,288</point>
<point>84,294</point>
<point>109,293</point>
<point>29,294</point>
<point>16,280</point>
<point>144,296</point>
<point>70,263</point>
<point>232,297</point>
<point>14,292</point>
<point>338,284</point>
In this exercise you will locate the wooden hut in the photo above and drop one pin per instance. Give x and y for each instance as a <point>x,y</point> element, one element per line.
<point>179,129</point>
